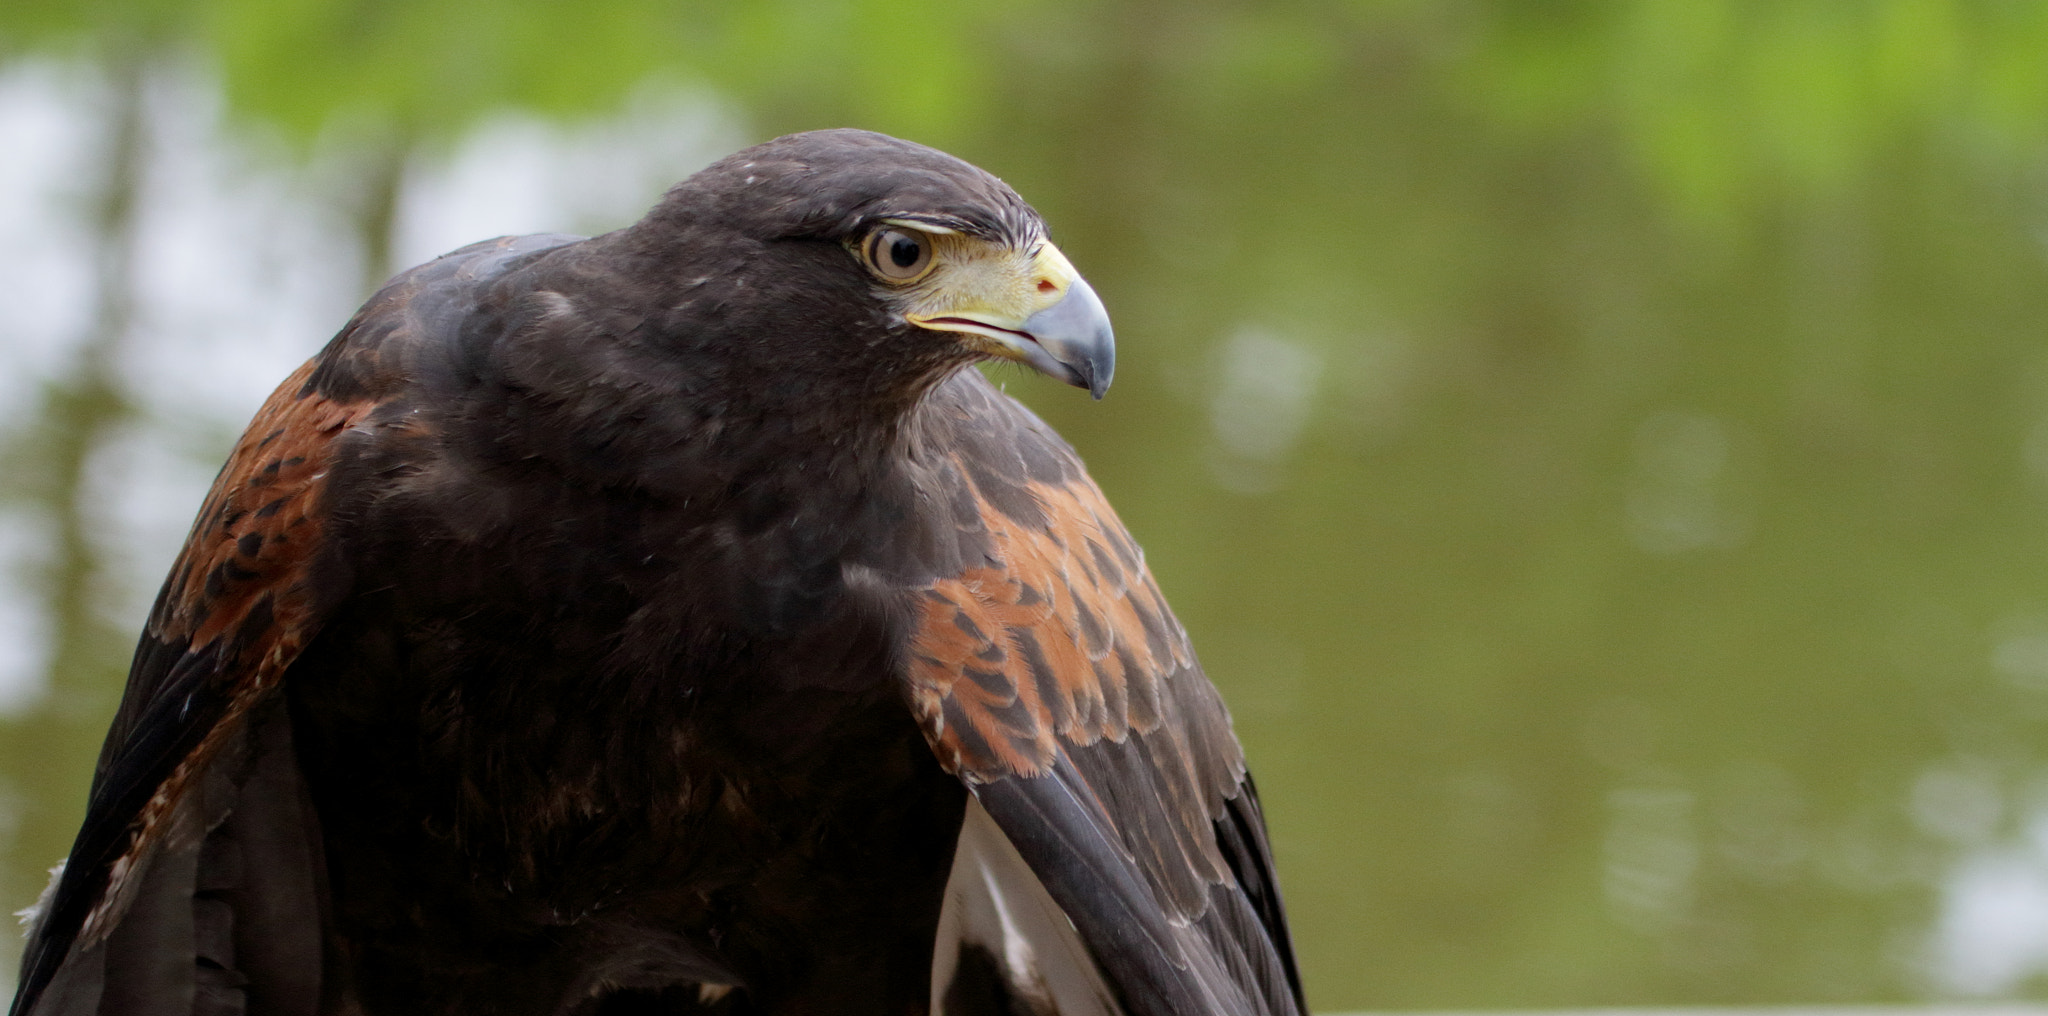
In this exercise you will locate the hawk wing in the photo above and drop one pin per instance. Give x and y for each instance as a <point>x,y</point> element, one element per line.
<point>141,918</point>
<point>196,883</point>
<point>1050,676</point>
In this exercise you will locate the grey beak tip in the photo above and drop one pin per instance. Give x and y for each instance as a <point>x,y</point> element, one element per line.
<point>1098,382</point>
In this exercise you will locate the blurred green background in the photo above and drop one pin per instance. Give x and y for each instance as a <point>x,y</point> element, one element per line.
<point>1599,448</point>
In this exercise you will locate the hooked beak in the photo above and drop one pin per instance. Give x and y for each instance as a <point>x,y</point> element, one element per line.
<point>1073,336</point>
<point>1046,317</point>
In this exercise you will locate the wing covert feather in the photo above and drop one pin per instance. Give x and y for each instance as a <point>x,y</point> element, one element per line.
<point>199,756</point>
<point>1051,677</point>
<point>239,604</point>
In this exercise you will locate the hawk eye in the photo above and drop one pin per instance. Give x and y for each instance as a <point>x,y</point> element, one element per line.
<point>898,255</point>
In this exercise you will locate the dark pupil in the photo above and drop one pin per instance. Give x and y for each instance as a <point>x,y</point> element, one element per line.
<point>903,250</point>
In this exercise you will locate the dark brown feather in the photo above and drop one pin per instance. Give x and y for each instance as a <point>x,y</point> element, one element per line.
<point>1050,676</point>
<point>260,526</point>
<point>236,611</point>
<point>244,574</point>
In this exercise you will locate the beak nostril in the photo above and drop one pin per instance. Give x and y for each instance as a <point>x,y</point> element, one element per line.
<point>1046,286</point>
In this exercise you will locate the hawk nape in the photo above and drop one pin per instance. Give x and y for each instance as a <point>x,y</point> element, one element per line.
<point>674,621</point>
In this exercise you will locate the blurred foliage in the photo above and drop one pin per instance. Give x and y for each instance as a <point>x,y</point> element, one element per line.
<point>1597,446</point>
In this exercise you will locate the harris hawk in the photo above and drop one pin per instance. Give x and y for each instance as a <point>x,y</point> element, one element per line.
<point>673,621</point>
